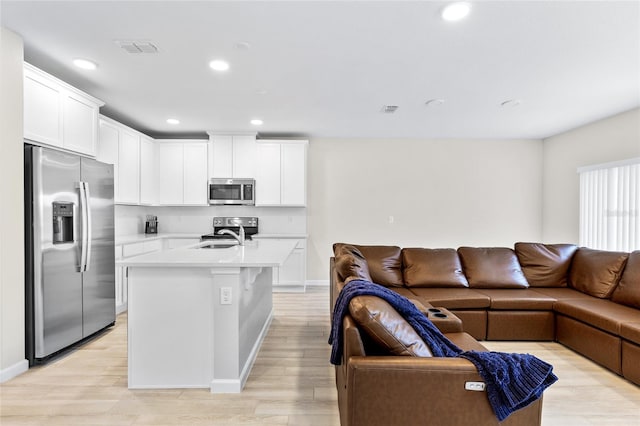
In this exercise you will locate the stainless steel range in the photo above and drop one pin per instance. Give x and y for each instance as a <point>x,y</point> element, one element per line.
<point>233,224</point>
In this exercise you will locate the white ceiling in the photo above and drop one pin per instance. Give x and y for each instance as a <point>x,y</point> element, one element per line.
<point>326,68</point>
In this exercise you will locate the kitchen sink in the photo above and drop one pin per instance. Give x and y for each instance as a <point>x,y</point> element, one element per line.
<point>218,245</point>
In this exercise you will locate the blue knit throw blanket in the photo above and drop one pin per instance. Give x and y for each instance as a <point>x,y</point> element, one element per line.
<point>513,381</point>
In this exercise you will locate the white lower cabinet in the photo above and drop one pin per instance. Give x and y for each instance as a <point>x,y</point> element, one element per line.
<point>291,276</point>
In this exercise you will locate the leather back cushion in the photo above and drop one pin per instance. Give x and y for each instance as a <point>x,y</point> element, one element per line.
<point>628,291</point>
<point>597,272</point>
<point>350,262</point>
<point>386,327</point>
<point>492,267</point>
<point>545,265</point>
<point>384,262</point>
<point>432,268</point>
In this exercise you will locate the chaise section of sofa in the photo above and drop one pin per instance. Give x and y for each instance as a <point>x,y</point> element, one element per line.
<point>381,382</point>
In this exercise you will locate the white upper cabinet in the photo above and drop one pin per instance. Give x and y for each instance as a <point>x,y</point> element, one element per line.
<point>135,176</point>
<point>244,157</point>
<point>170,182</point>
<point>195,173</point>
<point>148,171</point>
<point>232,156</point>
<point>59,115</point>
<point>294,174</point>
<point>268,188</point>
<point>108,142</point>
<point>281,173</point>
<point>128,167</point>
<point>183,177</point>
<point>221,154</point>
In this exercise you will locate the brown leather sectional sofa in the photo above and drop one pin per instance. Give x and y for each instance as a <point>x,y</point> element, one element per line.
<point>588,300</point>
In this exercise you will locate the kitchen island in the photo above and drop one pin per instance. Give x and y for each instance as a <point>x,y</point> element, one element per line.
<point>197,316</point>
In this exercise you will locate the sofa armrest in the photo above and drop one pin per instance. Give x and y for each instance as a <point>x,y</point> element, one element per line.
<point>405,390</point>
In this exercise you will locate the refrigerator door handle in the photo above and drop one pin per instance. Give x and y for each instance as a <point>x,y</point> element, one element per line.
<point>83,215</point>
<point>87,197</point>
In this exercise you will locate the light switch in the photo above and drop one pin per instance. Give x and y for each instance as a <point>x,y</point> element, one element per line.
<point>225,295</point>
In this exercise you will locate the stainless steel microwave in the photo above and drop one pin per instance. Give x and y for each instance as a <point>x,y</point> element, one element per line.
<point>232,192</point>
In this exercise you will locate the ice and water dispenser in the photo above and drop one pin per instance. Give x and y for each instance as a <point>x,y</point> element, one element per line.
<point>62,222</point>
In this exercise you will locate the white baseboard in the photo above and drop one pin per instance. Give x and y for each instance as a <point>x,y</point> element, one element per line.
<point>318,283</point>
<point>14,370</point>
<point>236,385</point>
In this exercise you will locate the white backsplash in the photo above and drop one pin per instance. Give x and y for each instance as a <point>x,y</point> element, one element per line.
<point>198,220</point>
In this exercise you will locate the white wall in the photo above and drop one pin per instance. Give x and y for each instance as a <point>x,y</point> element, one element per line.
<point>441,193</point>
<point>611,139</point>
<point>12,360</point>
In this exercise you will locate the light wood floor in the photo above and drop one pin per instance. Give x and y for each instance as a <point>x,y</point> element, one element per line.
<point>291,383</point>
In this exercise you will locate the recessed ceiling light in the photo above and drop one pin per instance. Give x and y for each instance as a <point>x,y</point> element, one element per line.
<point>434,102</point>
<point>456,11</point>
<point>257,122</point>
<point>219,65</point>
<point>511,103</point>
<point>85,64</point>
<point>173,121</point>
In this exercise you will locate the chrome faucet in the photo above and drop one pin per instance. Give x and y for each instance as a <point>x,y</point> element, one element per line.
<point>239,237</point>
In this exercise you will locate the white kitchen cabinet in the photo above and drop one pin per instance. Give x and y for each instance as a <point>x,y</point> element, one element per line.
<point>291,276</point>
<point>294,174</point>
<point>148,171</point>
<point>134,160</point>
<point>281,173</point>
<point>268,188</point>
<point>232,156</point>
<point>195,173</point>
<point>170,181</point>
<point>59,115</point>
<point>79,124</point>
<point>128,167</point>
<point>183,177</point>
<point>108,141</point>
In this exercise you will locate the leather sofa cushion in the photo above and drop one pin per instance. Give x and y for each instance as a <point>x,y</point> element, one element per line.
<point>563,293</point>
<point>350,262</point>
<point>432,268</point>
<point>386,327</point>
<point>628,290</point>
<point>631,332</point>
<point>492,267</point>
<point>545,265</point>
<point>384,262</point>
<point>596,272</point>
<point>600,313</point>
<point>452,298</point>
<point>518,299</point>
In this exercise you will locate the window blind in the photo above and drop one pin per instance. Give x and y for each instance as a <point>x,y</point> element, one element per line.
<point>610,206</point>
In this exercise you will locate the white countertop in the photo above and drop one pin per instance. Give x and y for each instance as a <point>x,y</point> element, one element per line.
<point>137,238</point>
<point>257,253</point>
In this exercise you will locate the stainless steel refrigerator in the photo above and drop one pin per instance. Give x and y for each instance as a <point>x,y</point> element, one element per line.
<point>70,259</point>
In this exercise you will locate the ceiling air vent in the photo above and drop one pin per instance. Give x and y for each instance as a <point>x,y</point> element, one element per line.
<point>137,46</point>
<point>389,109</point>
